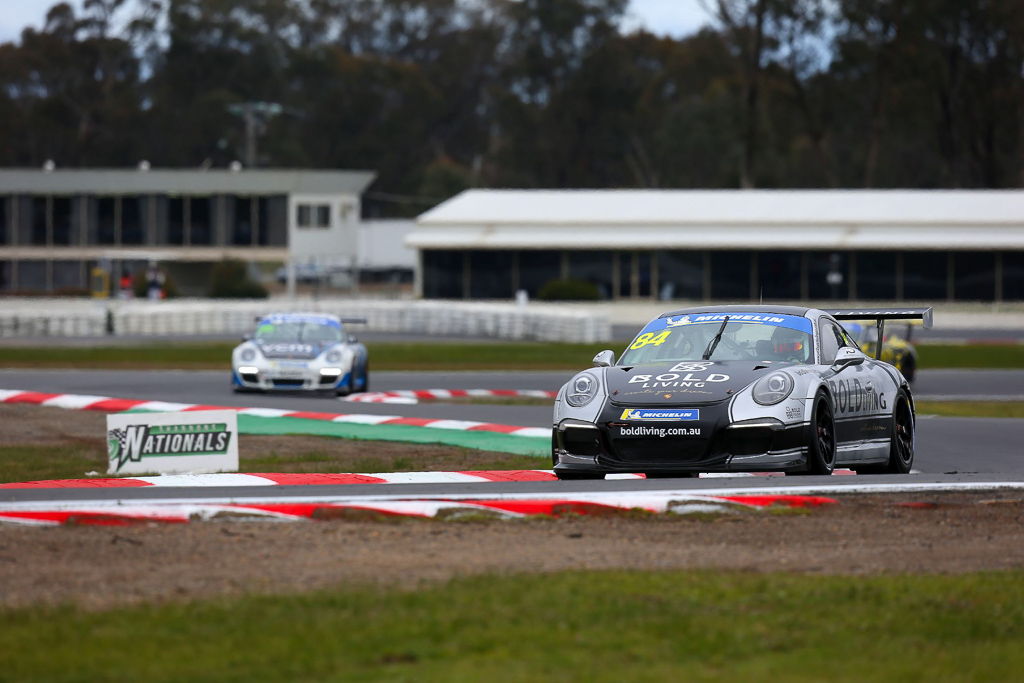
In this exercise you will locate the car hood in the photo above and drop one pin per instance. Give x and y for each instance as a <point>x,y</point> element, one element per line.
<point>682,383</point>
<point>294,350</point>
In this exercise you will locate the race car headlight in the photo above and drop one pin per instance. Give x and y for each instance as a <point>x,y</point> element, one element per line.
<point>773,388</point>
<point>333,356</point>
<point>248,353</point>
<point>581,390</point>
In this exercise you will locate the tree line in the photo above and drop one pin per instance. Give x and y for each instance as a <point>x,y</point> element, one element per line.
<point>440,95</point>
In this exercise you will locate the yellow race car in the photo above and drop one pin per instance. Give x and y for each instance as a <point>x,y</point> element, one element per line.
<point>896,349</point>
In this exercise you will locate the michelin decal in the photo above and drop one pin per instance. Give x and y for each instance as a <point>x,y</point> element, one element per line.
<point>648,414</point>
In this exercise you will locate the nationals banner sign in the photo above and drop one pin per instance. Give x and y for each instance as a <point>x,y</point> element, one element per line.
<point>172,443</point>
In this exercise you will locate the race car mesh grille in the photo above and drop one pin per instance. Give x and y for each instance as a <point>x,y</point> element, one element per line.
<point>661,451</point>
<point>288,382</point>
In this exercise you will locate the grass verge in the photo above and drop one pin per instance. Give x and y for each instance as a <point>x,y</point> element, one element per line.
<point>263,454</point>
<point>971,408</point>
<point>993,356</point>
<point>586,626</point>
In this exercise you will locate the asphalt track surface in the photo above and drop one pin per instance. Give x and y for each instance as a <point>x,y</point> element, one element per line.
<point>944,444</point>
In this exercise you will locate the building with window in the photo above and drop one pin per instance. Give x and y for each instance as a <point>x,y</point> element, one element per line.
<point>727,245</point>
<point>57,225</point>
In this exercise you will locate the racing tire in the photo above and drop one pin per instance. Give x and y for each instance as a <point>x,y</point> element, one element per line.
<point>901,443</point>
<point>366,378</point>
<point>821,438</point>
<point>909,368</point>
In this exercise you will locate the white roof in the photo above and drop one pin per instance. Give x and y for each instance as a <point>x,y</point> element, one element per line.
<point>182,181</point>
<point>637,219</point>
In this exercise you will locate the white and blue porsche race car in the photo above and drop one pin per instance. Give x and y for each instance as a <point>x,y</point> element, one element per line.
<point>301,352</point>
<point>736,389</point>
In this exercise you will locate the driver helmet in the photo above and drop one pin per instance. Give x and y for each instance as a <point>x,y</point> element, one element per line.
<point>789,343</point>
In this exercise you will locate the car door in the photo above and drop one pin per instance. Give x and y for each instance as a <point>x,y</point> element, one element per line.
<point>856,397</point>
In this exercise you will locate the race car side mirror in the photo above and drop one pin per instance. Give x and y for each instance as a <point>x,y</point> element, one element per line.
<point>352,339</point>
<point>604,359</point>
<point>847,356</point>
<point>246,337</point>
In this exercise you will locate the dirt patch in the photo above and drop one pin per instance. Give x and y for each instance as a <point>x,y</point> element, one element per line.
<point>102,567</point>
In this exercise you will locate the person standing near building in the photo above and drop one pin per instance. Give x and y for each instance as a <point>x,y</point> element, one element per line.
<point>154,282</point>
<point>125,285</point>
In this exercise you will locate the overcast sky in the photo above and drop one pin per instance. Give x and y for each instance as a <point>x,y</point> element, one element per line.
<point>672,17</point>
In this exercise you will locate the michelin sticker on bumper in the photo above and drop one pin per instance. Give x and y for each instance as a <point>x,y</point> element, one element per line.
<point>651,415</point>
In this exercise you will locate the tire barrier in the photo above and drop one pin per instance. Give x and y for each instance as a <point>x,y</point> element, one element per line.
<point>497,320</point>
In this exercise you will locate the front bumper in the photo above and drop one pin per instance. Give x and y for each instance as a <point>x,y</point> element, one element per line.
<point>297,379</point>
<point>710,444</point>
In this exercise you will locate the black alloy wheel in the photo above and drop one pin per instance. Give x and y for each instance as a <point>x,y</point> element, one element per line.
<point>901,447</point>
<point>821,438</point>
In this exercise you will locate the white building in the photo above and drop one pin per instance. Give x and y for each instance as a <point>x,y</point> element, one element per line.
<point>727,245</point>
<point>55,225</point>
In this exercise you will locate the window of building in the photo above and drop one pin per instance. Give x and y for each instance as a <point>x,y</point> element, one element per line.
<point>594,267</point>
<point>67,277</point>
<point>680,275</point>
<point>314,215</point>
<point>924,275</point>
<point>442,274</point>
<point>200,221</point>
<point>537,268</point>
<point>877,273</point>
<point>240,211</point>
<point>827,275</point>
<point>39,210</point>
<point>778,274</point>
<point>62,220</point>
<point>490,275</point>
<point>1013,276</point>
<point>31,276</point>
<point>175,220</point>
<point>975,276</point>
<point>5,232</point>
<point>133,227</point>
<point>272,221</point>
<point>105,220</point>
<point>730,275</point>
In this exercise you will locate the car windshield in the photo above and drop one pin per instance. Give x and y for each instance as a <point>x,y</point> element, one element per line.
<point>762,337</point>
<point>297,331</point>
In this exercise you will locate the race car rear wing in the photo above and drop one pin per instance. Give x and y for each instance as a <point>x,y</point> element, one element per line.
<point>880,315</point>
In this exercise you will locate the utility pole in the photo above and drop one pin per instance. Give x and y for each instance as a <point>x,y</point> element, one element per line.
<point>255,115</point>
